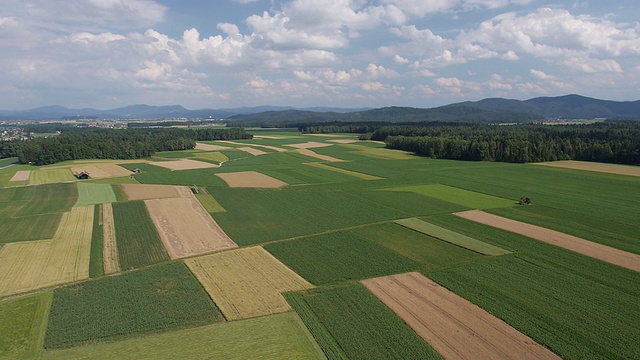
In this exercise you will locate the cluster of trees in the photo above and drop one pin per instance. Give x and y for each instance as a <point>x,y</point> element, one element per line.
<point>91,143</point>
<point>602,142</point>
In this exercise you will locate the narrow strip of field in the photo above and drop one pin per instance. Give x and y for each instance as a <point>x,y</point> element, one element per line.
<point>451,237</point>
<point>569,242</point>
<point>309,145</point>
<point>380,153</point>
<point>274,148</point>
<point>209,147</point>
<point>247,282</point>
<point>307,152</point>
<point>252,151</point>
<point>91,194</point>
<point>146,192</point>
<point>34,265</point>
<point>110,260</point>
<point>594,166</point>
<point>458,196</point>
<point>186,228</point>
<point>453,326</point>
<point>344,171</point>
<point>21,175</point>
<point>184,164</point>
<point>251,179</point>
<point>22,322</point>
<point>209,202</point>
<point>344,141</point>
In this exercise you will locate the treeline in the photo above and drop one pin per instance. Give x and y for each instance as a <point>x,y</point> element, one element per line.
<point>602,142</point>
<point>91,143</point>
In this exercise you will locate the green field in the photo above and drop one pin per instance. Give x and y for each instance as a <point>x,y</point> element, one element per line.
<point>338,257</point>
<point>91,193</point>
<point>451,237</point>
<point>51,176</point>
<point>239,340</point>
<point>8,161</point>
<point>39,227</point>
<point>470,199</point>
<point>138,241</point>
<point>209,202</point>
<point>22,323</point>
<point>96,268</point>
<point>36,200</point>
<point>361,326</point>
<point>142,302</point>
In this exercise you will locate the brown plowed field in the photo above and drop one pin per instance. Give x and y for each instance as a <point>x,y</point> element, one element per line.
<point>326,158</point>
<point>251,179</point>
<point>111,264</point>
<point>309,145</point>
<point>594,166</point>
<point>185,227</point>
<point>146,192</point>
<point>21,175</point>
<point>184,164</point>
<point>453,326</point>
<point>569,242</point>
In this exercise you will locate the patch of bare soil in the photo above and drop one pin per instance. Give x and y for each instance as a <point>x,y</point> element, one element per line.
<point>184,164</point>
<point>21,175</point>
<point>344,141</point>
<point>252,151</point>
<point>453,326</point>
<point>309,145</point>
<point>209,147</point>
<point>594,166</point>
<point>251,179</point>
<point>313,154</point>
<point>569,242</point>
<point>185,227</point>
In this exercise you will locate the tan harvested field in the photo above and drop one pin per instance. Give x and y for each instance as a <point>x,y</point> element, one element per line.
<point>184,164</point>
<point>594,166</point>
<point>309,145</point>
<point>34,265</point>
<point>326,135</point>
<point>453,326</point>
<point>251,179</point>
<point>146,192</point>
<point>326,158</point>
<point>21,175</point>
<point>252,151</point>
<point>185,227</point>
<point>110,261</point>
<point>569,242</point>
<point>101,171</point>
<point>209,147</point>
<point>344,141</point>
<point>246,282</point>
<point>274,148</point>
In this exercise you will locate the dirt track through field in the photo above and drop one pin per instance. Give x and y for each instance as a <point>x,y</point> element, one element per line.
<point>453,326</point>
<point>569,242</point>
<point>251,179</point>
<point>185,227</point>
<point>111,264</point>
<point>594,166</point>
<point>21,175</point>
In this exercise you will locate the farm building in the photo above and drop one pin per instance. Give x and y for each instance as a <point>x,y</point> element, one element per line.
<point>82,175</point>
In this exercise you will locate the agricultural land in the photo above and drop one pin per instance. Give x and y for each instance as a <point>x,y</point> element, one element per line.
<point>314,246</point>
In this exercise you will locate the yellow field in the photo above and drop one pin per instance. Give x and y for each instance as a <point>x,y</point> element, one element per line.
<point>51,176</point>
<point>38,264</point>
<point>246,282</point>
<point>110,250</point>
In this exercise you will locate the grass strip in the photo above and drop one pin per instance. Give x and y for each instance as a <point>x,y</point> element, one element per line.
<point>344,171</point>
<point>451,237</point>
<point>95,263</point>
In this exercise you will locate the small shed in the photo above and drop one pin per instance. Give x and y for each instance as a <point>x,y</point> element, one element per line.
<point>82,175</point>
<point>137,171</point>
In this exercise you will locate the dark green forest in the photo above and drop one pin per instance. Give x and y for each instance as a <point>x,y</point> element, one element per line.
<point>92,143</point>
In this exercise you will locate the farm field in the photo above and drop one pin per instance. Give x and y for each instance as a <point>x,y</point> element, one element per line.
<point>51,176</point>
<point>247,282</point>
<point>137,239</point>
<point>598,167</point>
<point>293,288</point>
<point>101,170</point>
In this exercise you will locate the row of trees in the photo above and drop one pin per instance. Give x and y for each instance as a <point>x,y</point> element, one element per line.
<point>77,143</point>
<point>612,143</point>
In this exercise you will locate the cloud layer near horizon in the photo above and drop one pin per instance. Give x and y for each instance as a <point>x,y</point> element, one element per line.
<point>106,53</point>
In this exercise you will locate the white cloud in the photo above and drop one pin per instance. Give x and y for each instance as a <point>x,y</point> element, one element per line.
<point>540,74</point>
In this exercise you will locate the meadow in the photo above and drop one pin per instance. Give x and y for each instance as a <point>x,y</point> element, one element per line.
<point>377,213</point>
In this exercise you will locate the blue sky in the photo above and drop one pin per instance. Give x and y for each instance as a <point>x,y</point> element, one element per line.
<point>342,53</point>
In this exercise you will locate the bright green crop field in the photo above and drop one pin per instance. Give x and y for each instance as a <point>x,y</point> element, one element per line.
<point>377,213</point>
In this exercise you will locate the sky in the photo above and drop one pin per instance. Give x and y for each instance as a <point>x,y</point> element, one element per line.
<point>106,54</point>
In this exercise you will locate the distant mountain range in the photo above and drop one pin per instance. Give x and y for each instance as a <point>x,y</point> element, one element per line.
<point>487,110</point>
